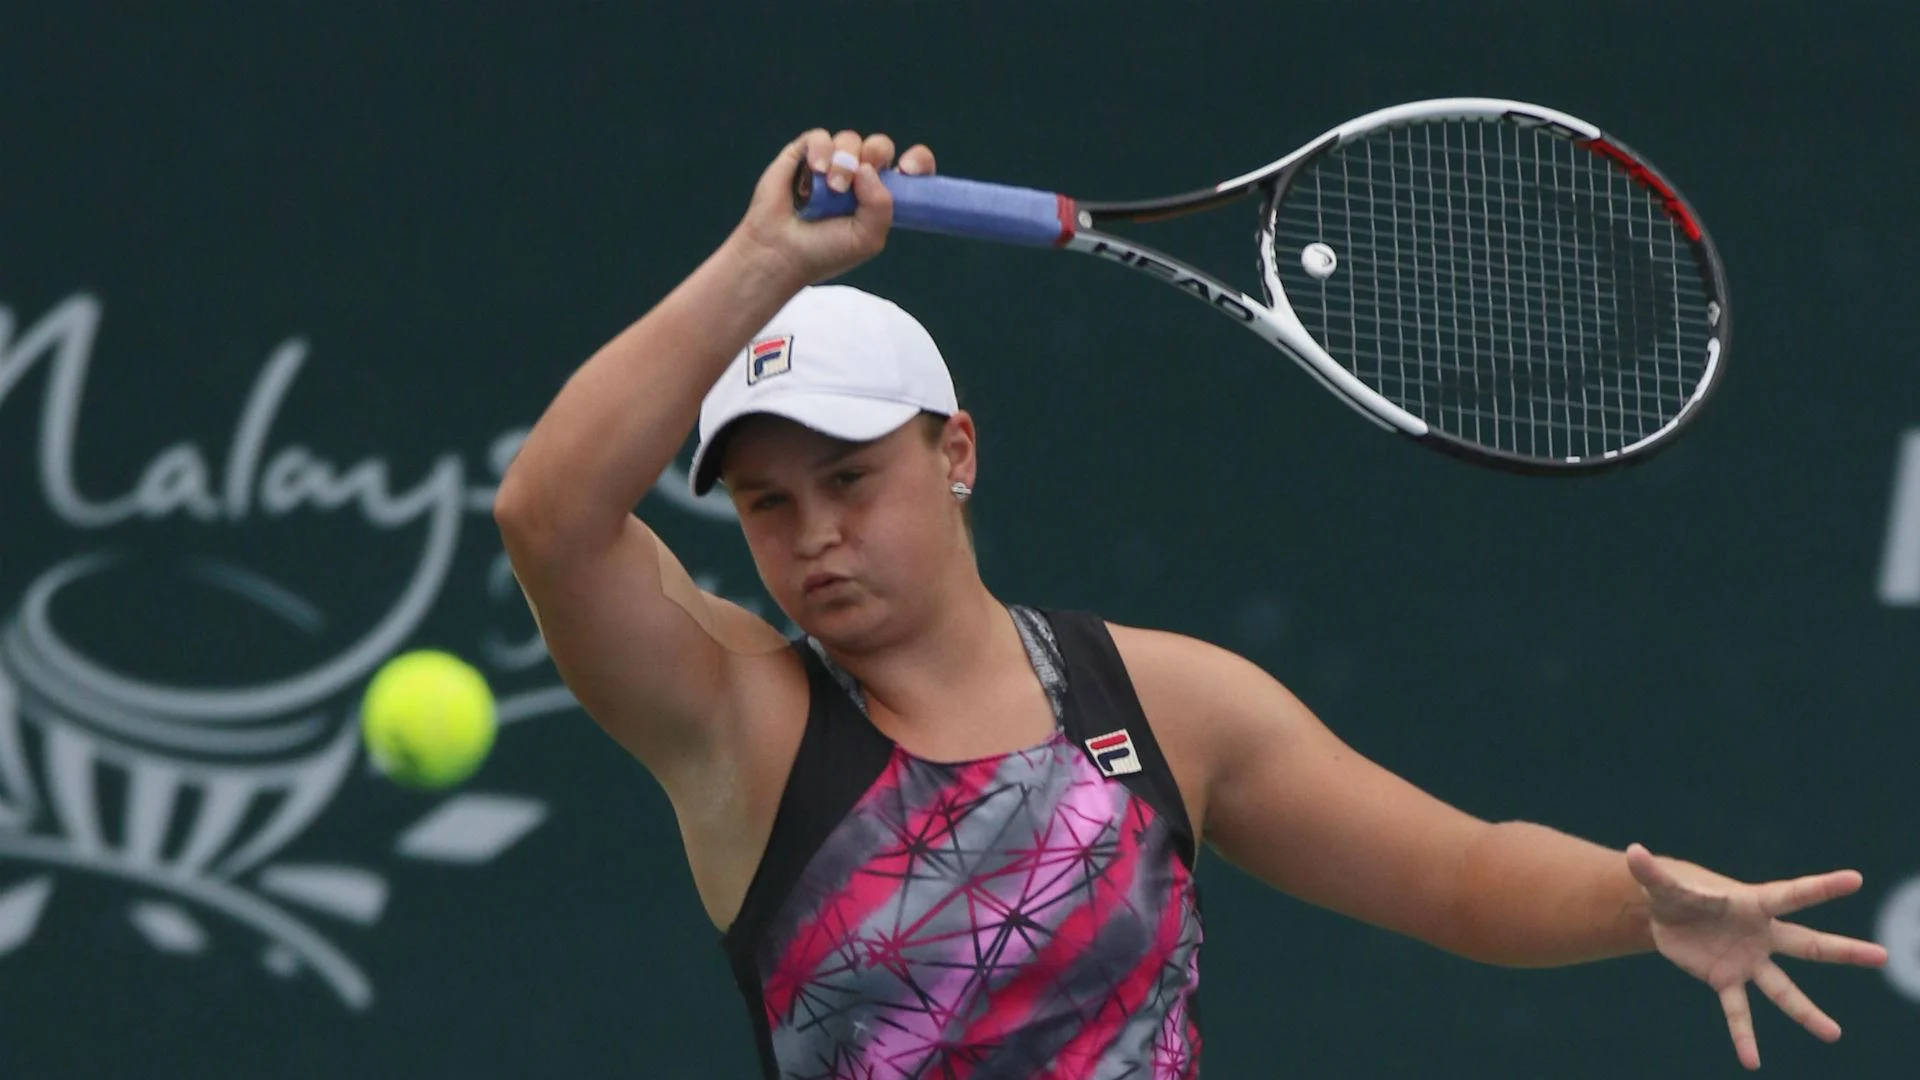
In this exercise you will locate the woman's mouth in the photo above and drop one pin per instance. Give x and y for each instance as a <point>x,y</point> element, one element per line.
<point>816,582</point>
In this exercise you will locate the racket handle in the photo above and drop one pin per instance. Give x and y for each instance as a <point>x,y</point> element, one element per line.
<point>955,207</point>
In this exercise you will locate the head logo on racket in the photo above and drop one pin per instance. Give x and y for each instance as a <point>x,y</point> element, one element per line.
<point>768,358</point>
<point>1113,753</point>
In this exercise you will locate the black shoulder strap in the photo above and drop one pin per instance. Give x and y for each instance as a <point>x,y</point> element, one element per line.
<point>840,756</point>
<point>1101,702</point>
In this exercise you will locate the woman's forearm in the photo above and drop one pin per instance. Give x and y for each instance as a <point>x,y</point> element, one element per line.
<point>1532,896</point>
<point>621,417</point>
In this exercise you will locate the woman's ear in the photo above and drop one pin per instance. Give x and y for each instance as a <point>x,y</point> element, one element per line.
<point>959,444</point>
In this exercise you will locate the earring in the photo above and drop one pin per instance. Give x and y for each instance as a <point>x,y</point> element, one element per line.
<point>961,491</point>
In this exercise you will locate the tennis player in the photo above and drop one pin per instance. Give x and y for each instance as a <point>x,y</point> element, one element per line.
<point>947,835</point>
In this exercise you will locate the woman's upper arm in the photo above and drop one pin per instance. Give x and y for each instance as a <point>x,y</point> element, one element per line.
<point>654,660</point>
<point>1289,802</point>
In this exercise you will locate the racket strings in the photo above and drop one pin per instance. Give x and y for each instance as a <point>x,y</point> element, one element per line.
<point>1511,288</point>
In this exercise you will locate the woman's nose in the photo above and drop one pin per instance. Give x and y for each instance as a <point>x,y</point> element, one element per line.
<point>819,529</point>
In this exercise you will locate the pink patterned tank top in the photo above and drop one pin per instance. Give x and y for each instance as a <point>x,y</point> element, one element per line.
<point>1030,914</point>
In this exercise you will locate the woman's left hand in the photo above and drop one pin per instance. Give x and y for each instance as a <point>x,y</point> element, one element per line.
<point>1724,933</point>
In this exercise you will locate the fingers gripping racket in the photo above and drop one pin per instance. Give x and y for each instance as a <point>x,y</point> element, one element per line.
<point>1500,281</point>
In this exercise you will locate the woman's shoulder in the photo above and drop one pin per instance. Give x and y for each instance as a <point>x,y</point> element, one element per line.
<point>1184,684</point>
<point>1150,653</point>
<point>1182,680</point>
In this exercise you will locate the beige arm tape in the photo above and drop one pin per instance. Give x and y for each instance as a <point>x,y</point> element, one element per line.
<point>726,623</point>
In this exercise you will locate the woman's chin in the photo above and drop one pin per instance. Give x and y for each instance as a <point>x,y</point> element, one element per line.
<point>840,614</point>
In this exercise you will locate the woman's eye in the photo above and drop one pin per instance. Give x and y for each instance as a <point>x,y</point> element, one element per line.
<point>847,477</point>
<point>766,502</point>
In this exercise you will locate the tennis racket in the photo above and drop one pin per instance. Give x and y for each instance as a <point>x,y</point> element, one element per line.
<point>1496,280</point>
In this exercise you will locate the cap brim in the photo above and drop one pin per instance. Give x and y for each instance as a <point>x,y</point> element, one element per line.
<point>839,416</point>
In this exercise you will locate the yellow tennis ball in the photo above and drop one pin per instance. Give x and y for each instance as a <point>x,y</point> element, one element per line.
<point>427,719</point>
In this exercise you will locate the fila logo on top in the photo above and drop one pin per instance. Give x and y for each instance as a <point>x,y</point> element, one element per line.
<point>1113,752</point>
<point>768,358</point>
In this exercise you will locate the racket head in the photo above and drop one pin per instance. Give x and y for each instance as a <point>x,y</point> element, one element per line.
<point>1532,290</point>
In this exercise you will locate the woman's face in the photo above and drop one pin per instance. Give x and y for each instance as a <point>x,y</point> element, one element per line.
<point>848,537</point>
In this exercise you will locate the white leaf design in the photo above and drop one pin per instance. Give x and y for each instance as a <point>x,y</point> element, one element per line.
<point>16,795</point>
<point>20,909</point>
<point>168,927</point>
<point>281,960</point>
<point>346,891</point>
<point>471,828</point>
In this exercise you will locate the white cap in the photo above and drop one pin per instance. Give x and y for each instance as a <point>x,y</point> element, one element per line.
<point>843,362</point>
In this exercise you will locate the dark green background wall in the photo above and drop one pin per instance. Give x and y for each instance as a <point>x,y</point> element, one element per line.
<point>448,213</point>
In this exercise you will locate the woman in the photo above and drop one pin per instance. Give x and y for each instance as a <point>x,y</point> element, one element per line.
<point>943,835</point>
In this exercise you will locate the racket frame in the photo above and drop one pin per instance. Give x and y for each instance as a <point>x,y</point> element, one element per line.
<point>1037,218</point>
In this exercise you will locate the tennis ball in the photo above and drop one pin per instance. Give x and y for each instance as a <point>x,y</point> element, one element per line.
<point>1319,260</point>
<point>427,719</point>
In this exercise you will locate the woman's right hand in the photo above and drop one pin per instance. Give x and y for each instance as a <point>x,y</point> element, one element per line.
<point>816,250</point>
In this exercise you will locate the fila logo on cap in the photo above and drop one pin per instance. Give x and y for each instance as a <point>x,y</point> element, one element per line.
<point>1113,752</point>
<point>768,358</point>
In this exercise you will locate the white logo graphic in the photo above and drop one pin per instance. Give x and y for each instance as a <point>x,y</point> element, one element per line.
<point>1900,564</point>
<point>1899,931</point>
<point>186,795</point>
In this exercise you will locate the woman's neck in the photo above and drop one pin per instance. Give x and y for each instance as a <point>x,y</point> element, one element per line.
<point>948,657</point>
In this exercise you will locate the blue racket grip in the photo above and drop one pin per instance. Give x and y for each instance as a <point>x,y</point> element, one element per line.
<point>951,206</point>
